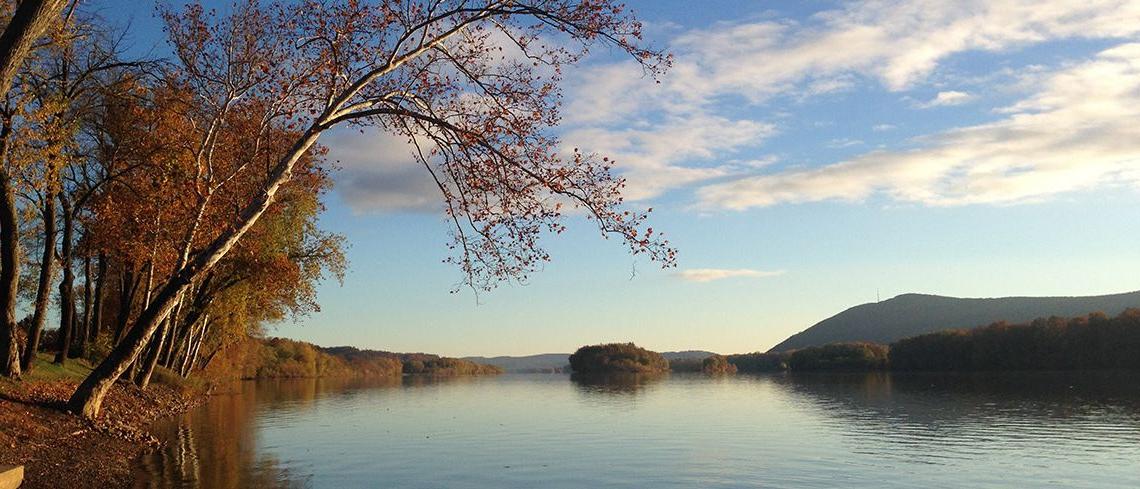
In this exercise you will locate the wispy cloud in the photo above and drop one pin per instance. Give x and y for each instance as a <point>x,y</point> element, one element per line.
<point>1078,131</point>
<point>653,157</point>
<point>844,143</point>
<point>948,98</point>
<point>711,274</point>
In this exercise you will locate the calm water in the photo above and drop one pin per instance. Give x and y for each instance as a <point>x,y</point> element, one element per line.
<point>872,431</point>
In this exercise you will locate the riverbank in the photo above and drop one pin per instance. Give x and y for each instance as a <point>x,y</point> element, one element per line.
<point>58,449</point>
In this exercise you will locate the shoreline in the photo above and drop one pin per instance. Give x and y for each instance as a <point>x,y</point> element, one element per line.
<point>60,449</point>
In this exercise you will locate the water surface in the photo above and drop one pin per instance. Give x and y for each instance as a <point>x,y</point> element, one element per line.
<point>522,431</point>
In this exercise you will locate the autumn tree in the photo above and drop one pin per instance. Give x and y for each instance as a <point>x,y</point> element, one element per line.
<point>64,88</point>
<point>472,84</point>
<point>148,138</point>
<point>27,22</point>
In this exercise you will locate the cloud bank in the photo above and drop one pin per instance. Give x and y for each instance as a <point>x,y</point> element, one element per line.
<point>1079,131</point>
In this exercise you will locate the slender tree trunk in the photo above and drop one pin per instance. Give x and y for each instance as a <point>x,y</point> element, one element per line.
<point>88,293</point>
<point>9,262</point>
<point>158,344</point>
<point>43,290</point>
<point>97,305</point>
<point>66,286</point>
<point>88,398</point>
<point>184,353</point>
<point>150,360</point>
<point>30,21</point>
<point>185,339</point>
<point>128,284</point>
<point>147,292</point>
<point>196,346</point>
<point>171,330</point>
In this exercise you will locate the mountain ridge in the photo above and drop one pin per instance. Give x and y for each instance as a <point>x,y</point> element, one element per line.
<point>912,314</point>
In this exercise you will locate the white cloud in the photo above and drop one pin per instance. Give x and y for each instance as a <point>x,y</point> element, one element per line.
<point>1078,131</point>
<point>686,130</point>
<point>883,127</point>
<point>896,43</point>
<point>652,156</point>
<point>946,99</point>
<point>710,274</point>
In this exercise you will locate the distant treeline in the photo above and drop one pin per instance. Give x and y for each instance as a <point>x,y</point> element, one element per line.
<point>833,357</point>
<point>422,363</point>
<point>713,364</point>
<point>1092,342</point>
<point>617,358</point>
<point>285,358</point>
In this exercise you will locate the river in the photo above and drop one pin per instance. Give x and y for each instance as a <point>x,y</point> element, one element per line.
<point>553,431</point>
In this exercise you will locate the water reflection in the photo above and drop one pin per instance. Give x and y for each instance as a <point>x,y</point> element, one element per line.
<point>827,430</point>
<point>216,445</point>
<point>212,446</point>
<point>961,416</point>
<point>615,384</point>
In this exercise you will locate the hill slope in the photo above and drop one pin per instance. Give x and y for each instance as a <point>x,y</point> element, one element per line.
<point>687,355</point>
<point>530,363</point>
<point>915,314</point>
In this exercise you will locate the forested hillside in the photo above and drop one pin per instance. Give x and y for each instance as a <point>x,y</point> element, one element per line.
<point>915,314</point>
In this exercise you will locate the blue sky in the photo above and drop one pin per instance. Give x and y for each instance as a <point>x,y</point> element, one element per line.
<point>804,157</point>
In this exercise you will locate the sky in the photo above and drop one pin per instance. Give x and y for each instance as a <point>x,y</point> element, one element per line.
<point>804,157</point>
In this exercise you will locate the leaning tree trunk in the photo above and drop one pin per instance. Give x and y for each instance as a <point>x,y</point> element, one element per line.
<point>43,290</point>
<point>9,262</point>
<point>66,286</point>
<point>158,343</point>
<point>88,398</point>
<point>30,21</point>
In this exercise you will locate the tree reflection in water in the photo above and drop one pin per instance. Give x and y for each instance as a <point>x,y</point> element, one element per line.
<point>216,444</point>
<point>615,384</point>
